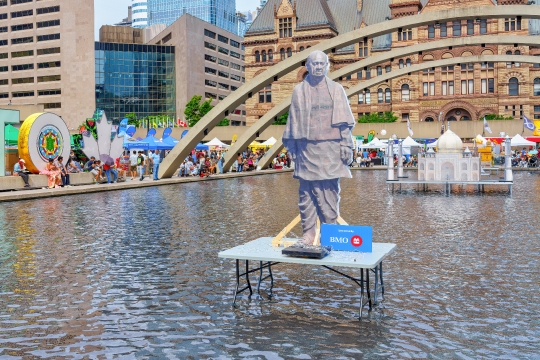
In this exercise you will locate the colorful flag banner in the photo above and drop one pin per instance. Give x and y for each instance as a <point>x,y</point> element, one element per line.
<point>528,124</point>
<point>409,128</point>
<point>486,126</point>
<point>537,131</point>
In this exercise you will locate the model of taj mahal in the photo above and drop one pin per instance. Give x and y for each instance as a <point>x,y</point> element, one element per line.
<point>450,163</point>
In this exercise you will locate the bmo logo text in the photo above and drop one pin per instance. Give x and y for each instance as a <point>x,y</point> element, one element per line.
<point>347,237</point>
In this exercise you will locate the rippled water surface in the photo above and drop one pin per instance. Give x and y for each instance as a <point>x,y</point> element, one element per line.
<point>135,273</point>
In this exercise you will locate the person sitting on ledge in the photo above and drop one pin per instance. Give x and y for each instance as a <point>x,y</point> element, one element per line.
<point>64,174</point>
<point>20,170</point>
<point>54,179</point>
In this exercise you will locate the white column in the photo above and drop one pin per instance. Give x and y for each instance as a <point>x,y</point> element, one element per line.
<point>508,176</point>
<point>400,160</point>
<point>390,159</point>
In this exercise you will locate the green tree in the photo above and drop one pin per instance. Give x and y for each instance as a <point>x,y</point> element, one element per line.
<point>386,117</point>
<point>195,111</point>
<point>497,117</point>
<point>282,120</point>
<point>224,122</point>
<point>132,119</point>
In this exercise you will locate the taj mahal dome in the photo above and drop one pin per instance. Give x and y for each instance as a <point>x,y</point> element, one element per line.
<point>450,163</point>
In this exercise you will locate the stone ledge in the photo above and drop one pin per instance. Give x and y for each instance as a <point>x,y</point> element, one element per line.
<point>40,181</point>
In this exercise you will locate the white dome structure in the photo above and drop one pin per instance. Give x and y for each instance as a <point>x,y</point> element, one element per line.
<point>449,142</point>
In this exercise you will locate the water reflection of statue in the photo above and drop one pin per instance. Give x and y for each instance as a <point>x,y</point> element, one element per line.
<point>318,137</point>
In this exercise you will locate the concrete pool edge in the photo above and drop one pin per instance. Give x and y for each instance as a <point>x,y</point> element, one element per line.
<point>18,195</point>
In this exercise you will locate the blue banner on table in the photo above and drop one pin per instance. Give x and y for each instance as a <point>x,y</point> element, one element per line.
<point>347,237</point>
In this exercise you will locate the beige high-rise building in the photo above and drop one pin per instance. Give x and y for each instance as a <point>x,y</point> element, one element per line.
<point>47,56</point>
<point>209,63</point>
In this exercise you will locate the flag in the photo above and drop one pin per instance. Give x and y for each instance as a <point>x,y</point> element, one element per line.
<point>486,126</point>
<point>528,124</point>
<point>537,131</point>
<point>409,128</point>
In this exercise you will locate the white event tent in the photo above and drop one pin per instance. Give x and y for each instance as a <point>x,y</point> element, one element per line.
<point>373,144</point>
<point>519,140</point>
<point>215,142</point>
<point>270,142</point>
<point>408,142</point>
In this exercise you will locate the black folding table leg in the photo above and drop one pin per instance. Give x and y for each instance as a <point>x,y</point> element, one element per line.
<point>237,281</point>
<point>247,278</point>
<point>382,281</point>
<point>367,288</point>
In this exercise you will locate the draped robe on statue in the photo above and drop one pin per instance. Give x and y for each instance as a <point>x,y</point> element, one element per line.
<point>319,125</point>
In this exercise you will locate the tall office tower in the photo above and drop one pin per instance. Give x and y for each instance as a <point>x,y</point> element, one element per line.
<point>47,56</point>
<point>139,13</point>
<point>221,13</point>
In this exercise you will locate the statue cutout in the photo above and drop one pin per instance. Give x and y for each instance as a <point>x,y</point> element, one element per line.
<point>318,136</point>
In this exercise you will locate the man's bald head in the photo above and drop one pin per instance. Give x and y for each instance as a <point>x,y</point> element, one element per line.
<point>317,64</point>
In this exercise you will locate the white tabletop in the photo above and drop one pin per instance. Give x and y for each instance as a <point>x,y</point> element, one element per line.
<point>262,250</point>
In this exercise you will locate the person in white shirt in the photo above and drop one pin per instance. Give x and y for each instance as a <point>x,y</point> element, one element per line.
<point>133,164</point>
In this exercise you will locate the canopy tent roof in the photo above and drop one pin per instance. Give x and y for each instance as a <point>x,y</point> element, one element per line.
<point>11,135</point>
<point>215,142</point>
<point>410,142</point>
<point>518,140</point>
<point>170,141</point>
<point>270,141</point>
<point>433,144</point>
<point>149,143</point>
<point>375,143</point>
<point>201,146</point>
<point>256,145</point>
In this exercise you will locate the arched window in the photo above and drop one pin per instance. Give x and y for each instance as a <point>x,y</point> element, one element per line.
<point>429,119</point>
<point>401,63</point>
<point>517,52</point>
<point>270,55</point>
<point>405,92</point>
<point>536,90</point>
<point>388,97</point>
<point>263,56</point>
<point>508,64</point>
<point>282,53</point>
<point>257,56</point>
<point>380,96</point>
<point>301,48</point>
<point>408,62</point>
<point>513,87</point>
<point>368,97</point>
<point>309,46</point>
<point>289,52</point>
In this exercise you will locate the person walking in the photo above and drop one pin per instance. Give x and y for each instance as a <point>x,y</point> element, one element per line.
<point>140,165</point>
<point>133,164</point>
<point>156,159</point>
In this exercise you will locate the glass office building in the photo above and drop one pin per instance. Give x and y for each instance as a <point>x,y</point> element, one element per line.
<point>135,78</point>
<point>221,13</point>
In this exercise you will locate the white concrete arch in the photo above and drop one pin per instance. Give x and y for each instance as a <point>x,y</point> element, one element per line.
<point>183,148</point>
<point>260,125</point>
<point>276,148</point>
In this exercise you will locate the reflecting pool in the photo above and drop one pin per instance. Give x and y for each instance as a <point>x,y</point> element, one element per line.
<point>135,273</point>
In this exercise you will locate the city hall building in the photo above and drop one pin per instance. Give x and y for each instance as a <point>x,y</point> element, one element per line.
<point>465,92</point>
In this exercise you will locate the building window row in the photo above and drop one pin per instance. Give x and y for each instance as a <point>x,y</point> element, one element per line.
<point>223,39</point>
<point>285,54</point>
<point>50,64</point>
<point>209,33</point>
<point>30,39</point>
<point>233,54</point>
<point>384,96</point>
<point>456,27</point>
<point>22,27</point>
<point>263,56</point>
<point>404,34</point>
<point>22,93</point>
<point>48,10</point>
<point>3,29</point>
<point>49,92</point>
<point>512,24</point>
<point>15,2</point>
<point>52,106</point>
<point>210,83</point>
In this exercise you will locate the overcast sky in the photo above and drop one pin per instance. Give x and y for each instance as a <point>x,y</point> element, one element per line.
<point>108,12</point>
